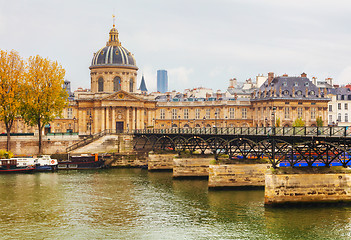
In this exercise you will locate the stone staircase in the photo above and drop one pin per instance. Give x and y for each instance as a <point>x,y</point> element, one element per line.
<point>106,143</point>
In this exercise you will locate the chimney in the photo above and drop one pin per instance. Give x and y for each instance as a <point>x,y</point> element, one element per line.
<point>285,75</point>
<point>270,77</point>
<point>303,75</point>
<point>314,80</point>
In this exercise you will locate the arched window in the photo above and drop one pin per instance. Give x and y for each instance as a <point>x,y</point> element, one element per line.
<point>116,84</point>
<point>101,85</point>
<point>131,85</point>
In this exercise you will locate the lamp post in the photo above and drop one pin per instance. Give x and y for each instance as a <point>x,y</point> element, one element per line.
<point>203,123</point>
<point>179,121</point>
<point>215,119</point>
<point>153,122</point>
<point>74,124</point>
<point>273,119</point>
<point>226,119</point>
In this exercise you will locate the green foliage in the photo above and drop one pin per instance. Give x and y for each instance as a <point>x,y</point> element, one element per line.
<point>45,98</point>
<point>5,154</point>
<point>319,121</point>
<point>277,122</point>
<point>213,162</point>
<point>299,123</point>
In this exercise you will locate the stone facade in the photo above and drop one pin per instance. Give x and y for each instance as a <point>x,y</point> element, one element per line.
<point>307,188</point>
<point>237,175</point>
<point>160,162</point>
<point>190,167</point>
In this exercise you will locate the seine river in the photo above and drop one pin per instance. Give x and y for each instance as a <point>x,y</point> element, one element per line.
<point>137,204</point>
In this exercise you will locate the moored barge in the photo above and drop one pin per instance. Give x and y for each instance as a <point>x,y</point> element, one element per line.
<point>82,162</point>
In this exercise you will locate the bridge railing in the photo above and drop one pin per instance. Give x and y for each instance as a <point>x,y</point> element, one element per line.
<point>338,131</point>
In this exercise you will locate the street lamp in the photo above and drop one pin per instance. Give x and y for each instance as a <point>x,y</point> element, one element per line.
<point>215,119</point>
<point>179,121</point>
<point>203,123</point>
<point>273,119</point>
<point>74,124</point>
<point>153,122</point>
<point>226,119</point>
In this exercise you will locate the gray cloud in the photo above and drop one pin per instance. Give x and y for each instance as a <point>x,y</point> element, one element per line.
<point>201,43</point>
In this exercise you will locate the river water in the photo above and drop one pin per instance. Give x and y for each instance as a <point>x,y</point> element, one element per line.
<point>137,204</point>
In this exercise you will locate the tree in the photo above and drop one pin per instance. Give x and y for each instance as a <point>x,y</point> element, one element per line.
<point>45,97</point>
<point>319,121</point>
<point>299,123</point>
<point>11,76</point>
<point>277,122</point>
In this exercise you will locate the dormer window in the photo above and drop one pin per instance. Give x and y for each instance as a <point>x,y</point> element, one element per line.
<point>299,93</point>
<point>312,93</point>
<point>285,84</point>
<point>296,84</point>
<point>286,93</point>
<point>307,84</point>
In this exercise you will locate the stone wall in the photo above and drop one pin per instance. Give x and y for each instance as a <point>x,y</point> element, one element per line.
<point>28,145</point>
<point>307,188</point>
<point>191,167</point>
<point>128,160</point>
<point>237,175</point>
<point>160,161</point>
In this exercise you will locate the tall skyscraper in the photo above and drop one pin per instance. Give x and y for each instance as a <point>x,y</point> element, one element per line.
<point>162,81</point>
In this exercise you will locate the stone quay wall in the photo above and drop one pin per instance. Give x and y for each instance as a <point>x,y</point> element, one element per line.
<point>283,189</point>
<point>237,175</point>
<point>160,161</point>
<point>128,160</point>
<point>191,167</point>
<point>28,145</point>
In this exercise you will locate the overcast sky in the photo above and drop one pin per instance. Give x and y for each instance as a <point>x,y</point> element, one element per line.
<point>199,42</point>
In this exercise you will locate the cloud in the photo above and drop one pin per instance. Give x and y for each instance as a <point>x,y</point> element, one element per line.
<point>345,76</point>
<point>180,78</point>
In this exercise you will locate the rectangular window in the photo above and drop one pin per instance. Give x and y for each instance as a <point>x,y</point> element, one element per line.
<point>330,119</point>
<point>346,117</point>
<point>69,113</point>
<point>339,117</point>
<point>339,106</point>
<point>313,113</point>
<point>162,114</point>
<point>243,113</point>
<point>174,114</point>
<point>231,113</point>
<point>287,113</point>
<point>197,113</point>
<point>186,113</point>
<point>208,113</point>
<point>330,108</point>
<point>217,113</point>
<point>299,112</point>
<point>346,106</point>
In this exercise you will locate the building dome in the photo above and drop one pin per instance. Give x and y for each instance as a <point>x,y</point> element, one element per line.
<point>113,55</point>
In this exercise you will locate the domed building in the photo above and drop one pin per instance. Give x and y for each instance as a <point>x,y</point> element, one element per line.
<point>113,68</point>
<point>112,103</point>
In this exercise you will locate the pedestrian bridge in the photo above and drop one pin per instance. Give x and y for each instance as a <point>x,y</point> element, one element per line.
<point>283,146</point>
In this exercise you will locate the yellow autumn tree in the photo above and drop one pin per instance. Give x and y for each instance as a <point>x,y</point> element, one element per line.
<point>12,69</point>
<point>45,97</point>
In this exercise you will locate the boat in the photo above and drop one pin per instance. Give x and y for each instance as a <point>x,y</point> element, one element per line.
<point>11,166</point>
<point>42,163</point>
<point>46,163</point>
<point>84,161</point>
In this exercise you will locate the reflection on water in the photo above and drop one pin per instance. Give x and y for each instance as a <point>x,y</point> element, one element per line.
<point>137,204</point>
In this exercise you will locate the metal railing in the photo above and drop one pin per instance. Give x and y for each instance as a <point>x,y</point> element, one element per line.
<point>276,131</point>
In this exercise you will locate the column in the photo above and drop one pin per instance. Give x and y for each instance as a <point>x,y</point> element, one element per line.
<point>80,120</point>
<point>133,118</point>
<point>128,126</point>
<point>95,123</point>
<point>102,111</point>
<point>113,118</point>
<point>142,118</point>
<point>108,118</point>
